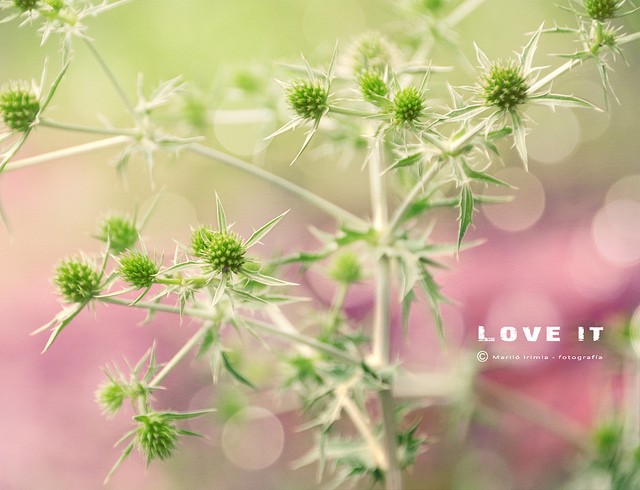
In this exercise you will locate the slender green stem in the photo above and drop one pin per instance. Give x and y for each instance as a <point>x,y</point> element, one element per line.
<point>396,220</point>
<point>381,329</point>
<point>86,129</point>
<point>114,81</point>
<point>178,356</point>
<point>68,152</point>
<point>462,11</point>
<point>258,325</point>
<point>306,195</point>
<point>350,112</point>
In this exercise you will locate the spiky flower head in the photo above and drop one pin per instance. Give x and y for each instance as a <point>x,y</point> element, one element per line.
<point>25,5</point>
<point>55,4</point>
<point>156,436</point>
<point>372,85</point>
<point>137,269</point>
<point>408,105</point>
<point>111,395</point>
<point>433,5</point>
<point>346,268</point>
<point>121,233</point>
<point>373,52</point>
<point>308,99</point>
<point>602,10</point>
<point>504,85</point>
<point>222,250</point>
<point>77,280</point>
<point>19,106</point>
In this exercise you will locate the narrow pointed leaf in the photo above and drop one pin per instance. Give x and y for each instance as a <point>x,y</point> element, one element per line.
<point>263,230</point>
<point>558,100</point>
<point>234,372</point>
<point>222,217</point>
<point>483,177</point>
<point>519,137</point>
<point>466,212</point>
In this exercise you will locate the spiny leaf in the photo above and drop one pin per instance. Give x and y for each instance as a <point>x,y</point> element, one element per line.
<point>222,217</point>
<point>263,230</point>
<point>234,372</point>
<point>466,212</point>
<point>481,176</point>
<point>407,161</point>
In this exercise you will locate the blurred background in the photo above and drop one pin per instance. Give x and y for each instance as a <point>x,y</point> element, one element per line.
<point>565,252</point>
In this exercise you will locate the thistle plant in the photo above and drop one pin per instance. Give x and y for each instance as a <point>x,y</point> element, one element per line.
<point>423,148</point>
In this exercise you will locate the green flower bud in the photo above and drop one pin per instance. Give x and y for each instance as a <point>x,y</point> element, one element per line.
<point>408,105</point>
<point>156,437</point>
<point>25,5</point>
<point>372,85</point>
<point>307,99</point>
<point>223,251</point>
<point>55,4</point>
<point>122,233</point>
<point>346,268</point>
<point>372,52</point>
<point>602,10</point>
<point>19,106</point>
<point>77,280</point>
<point>137,269</point>
<point>433,5</point>
<point>110,396</point>
<point>504,86</point>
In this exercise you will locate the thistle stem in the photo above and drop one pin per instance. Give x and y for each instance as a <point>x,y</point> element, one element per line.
<point>178,356</point>
<point>114,81</point>
<point>308,196</point>
<point>68,152</point>
<point>381,334</point>
<point>85,129</point>
<point>266,328</point>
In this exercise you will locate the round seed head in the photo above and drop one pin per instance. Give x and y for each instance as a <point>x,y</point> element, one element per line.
<point>372,52</point>
<point>137,269</point>
<point>19,106</point>
<point>122,233</point>
<point>77,280</point>
<point>408,105</point>
<point>222,250</point>
<point>25,5</point>
<point>504,86</point>
<point>110,396</point>
<point>602,10</point>
<point>307,99</point>
<point>346,268</point>
<point>156,437</point>
<point>433,5</point>
<point>55,4</point>
<point>372,85</point>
